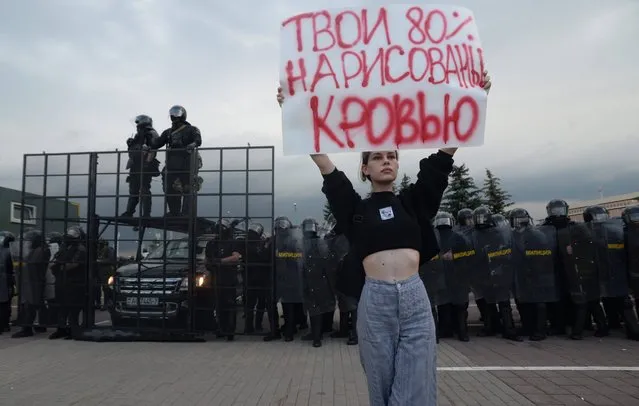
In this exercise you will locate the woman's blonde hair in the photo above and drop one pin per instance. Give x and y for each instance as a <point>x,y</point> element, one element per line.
<point>364,161</point>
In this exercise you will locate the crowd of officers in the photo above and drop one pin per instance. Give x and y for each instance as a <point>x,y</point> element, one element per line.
<point>52,284</point>
<point>562,275</point>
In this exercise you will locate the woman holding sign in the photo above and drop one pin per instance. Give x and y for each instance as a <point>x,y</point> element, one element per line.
<point>392,235</point>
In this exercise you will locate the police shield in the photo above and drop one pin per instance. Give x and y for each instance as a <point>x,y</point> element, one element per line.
<point>533,260</point>
<point>494,262</point>
<point>289,260</point>
<point>433,275</point>
<point>632,255</point>
<point>610,257</point>
<point>318,293</point>
<point>578,258</point>
<point>459,272</point>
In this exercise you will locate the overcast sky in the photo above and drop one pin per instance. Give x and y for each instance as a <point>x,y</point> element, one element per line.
<point>562,115</point>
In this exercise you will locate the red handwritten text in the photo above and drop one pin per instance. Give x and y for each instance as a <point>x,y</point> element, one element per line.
<point>327,27</point>
<point>409,120</point>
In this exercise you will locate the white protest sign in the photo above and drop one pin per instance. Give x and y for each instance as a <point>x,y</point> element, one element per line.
<point>381,78</point>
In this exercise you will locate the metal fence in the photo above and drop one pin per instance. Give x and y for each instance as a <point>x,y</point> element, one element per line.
<point>157,270</point>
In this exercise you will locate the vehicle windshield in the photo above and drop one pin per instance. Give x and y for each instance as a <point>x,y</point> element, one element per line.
<point>176,250</point>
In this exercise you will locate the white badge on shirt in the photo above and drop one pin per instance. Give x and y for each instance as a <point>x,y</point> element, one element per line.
<point>386,213</point>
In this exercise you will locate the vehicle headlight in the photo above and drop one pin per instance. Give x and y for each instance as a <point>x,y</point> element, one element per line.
<point>110,281</point>
<point>200,280</point>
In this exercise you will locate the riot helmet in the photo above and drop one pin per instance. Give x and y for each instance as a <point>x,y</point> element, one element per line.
<point>443,219</point>
<point>224,227</point>
<point>283,223</point>
<point>557,208</point>
<point>6,238</point>
<point>34,238</point>
<point>73,234</point>
<point>596,214</point>
<point>257,230</point>
<point>177,114</point>
<point>55,238</point>
<point>309,225</point>
<point>465,217</point>
<point>143,121</point>
<point>519,218</point>
<point>482,217</point>
<point>630,215</point>
<point>499,220</point>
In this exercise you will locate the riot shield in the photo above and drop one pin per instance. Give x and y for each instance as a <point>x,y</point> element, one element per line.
<point>460,271</point>
<point>610,257</point>
<point>632,255</point>
<point>433,275</point>
<point>578,254</point>
<point>494,249</point>
<point>533,262</point>
<point>319,296</point>
<point>289,260</point>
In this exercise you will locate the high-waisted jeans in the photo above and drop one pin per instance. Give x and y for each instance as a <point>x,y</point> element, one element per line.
<point>397,343</point>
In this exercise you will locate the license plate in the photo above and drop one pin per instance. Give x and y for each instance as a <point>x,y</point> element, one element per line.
<point>144,301</point>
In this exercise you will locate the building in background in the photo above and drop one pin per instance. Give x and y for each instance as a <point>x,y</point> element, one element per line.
<point>12,212</point>
<point>614,204</point>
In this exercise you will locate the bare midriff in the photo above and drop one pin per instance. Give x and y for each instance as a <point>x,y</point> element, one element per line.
<point>392,265</point>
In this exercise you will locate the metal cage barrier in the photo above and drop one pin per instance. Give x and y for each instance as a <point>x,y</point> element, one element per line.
<point>147,273</point>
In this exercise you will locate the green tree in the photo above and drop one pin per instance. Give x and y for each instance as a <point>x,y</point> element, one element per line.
<point>495,197</point>
<point>462,192</point>
<point>328,213</point>
<point>404,183</point>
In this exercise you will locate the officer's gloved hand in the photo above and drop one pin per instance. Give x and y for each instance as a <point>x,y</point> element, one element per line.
<point>145,147</point>
<point>190,147</point>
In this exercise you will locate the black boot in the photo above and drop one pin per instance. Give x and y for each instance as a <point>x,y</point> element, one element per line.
<point>539,330</point>
<point>446,320</point>
<point>248,322</point>
<point>509,331</point>
<point>352,333</point>
<point>24,332</point>
<point>131,204</point>
<point>433,310</point>
<point>489,317</point>
<point>259,318</point>
<point>630,319</point>
<point>343,326</point>
<point>461,313</point>
<point>580,313</point>
<point>600,320</point>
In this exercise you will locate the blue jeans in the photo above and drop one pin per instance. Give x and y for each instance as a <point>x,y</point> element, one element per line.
<point>397,343</point>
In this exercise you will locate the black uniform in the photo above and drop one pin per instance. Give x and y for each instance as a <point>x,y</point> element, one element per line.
<point>70,271</point>
<point>180,140</point>
<point>257,278</point>
<point>142,166</point>
<point>219,256</point>
<point>7,280</point>
<point>630,217</point>
<point>32,280</point>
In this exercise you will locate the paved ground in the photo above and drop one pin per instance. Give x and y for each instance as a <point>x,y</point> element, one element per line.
<point>486,371</point>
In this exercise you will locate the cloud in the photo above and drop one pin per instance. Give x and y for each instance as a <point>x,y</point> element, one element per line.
<point>561,119</point>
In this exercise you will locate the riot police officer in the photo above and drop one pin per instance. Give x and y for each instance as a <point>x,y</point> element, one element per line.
<point>465,217</point>
<point>630,217</point>
<point>500,221</point>
<point>495,277</point>
<point>142,166</point>
<point>561,314</point>
<point>257,278</point>
<point>7,280</point>
<point>181,141</point>
<point>222,258</point>
<point>70,272</point>
<point>32,280</point>
<point>319,297</point>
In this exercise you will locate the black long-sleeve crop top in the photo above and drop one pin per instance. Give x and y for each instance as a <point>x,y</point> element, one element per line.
<point>387,221</point>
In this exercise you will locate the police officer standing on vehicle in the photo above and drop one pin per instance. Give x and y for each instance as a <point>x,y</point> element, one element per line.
<point>181,141</point>
<point>142,166</point>
<point>70,274</point>
<point>222,258</point>
<point>7,280</point>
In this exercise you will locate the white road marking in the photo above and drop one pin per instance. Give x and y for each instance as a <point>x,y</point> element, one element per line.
<point>537,368</point>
